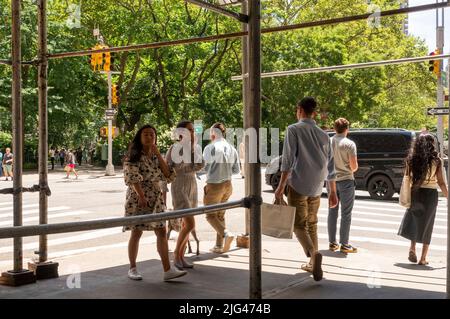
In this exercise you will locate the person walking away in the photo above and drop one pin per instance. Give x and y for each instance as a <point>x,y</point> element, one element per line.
<point>70,167</point>
<point>221,162</point>
<point>79,155</point>
<point>186,159</point>
<point>345,163</point>
<point>426,171</point>
<point>8,161</point>
<point>62,157</point>
<point>307,161</point>
<point>51,153</point>
<point>144,168</point>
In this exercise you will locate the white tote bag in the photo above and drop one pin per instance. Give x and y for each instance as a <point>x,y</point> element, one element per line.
<point>278,220</point>
<point>405,192</point>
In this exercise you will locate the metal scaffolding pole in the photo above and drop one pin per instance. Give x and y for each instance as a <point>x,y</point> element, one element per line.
<point>43,124</point>
<point>43,269</point>
<point>254,57</point>
<point>246,112</point>
<point>17,276</point>
<point>17,128</point>
<point>345,67</point>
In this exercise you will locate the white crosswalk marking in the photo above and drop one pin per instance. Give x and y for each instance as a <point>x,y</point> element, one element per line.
<point>36,218</point>
<point>399,210</point>
<point>5,209</point>
<point>35,211</point>
<point>389,242</point>
<point>356,212</point>
<point>66,240</point>
<point>377,221</point>
<point>377,230</point>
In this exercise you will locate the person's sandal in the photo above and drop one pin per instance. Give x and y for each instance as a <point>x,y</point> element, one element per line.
<point>423,263</point>
<point>412,257</point>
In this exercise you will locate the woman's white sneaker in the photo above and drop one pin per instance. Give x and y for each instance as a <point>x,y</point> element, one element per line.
<point>173,273</point>
<point>133,274</point>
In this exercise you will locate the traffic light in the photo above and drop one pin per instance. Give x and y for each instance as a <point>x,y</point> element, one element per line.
<point>114,95</point>
<point>107,61</point>
<point>435,65</point>
<point>100,61</point>
<point>104,131</point>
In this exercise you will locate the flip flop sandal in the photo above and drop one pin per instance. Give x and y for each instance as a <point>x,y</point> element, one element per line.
<point>423,264</point>
<point>412,257</point>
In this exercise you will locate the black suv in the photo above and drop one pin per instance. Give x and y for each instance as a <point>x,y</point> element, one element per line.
<point>381,160</point>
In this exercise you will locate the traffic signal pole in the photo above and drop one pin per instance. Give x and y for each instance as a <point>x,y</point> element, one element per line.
<point>110,166</point>
<point>440,87</point>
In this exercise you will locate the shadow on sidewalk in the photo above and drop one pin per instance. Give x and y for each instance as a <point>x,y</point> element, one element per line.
<point>202,282</point>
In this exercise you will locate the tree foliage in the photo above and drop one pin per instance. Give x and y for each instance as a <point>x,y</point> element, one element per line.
<point>163,86</point>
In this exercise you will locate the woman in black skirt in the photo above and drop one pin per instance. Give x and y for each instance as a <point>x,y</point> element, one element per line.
<point>426,172</point>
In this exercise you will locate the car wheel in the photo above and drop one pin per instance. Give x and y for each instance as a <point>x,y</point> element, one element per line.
<point>380,187</point>
<point>275,180</point>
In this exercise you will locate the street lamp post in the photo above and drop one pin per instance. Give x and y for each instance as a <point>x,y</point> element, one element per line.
<point>110,166</point>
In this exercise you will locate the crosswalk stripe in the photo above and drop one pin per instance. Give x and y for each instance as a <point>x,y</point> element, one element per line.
<point>390,242</point>
<point>35,218</point>
<point>399,210</point>
<point>377,230</point>
<point>381,215</point>
<point>376,221</point>
<point>66,240</point>
<point>23,206</point>
<point>34,211</point>
<point>66,253</point>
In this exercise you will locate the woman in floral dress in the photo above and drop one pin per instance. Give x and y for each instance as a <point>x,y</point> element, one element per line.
<point>144,169</point>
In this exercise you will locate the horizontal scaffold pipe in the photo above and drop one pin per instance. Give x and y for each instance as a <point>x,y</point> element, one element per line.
<point>35,230</point>
<point>244,33</point>
<point>347,67</point>
<point>5,62</point>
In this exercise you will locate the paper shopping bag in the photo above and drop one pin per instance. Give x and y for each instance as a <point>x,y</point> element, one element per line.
<point>278,220</point>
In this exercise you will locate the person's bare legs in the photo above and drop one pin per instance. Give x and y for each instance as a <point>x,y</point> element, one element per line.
<point>423,258</point>
<point>183,237</point>
<point>133,247</point>
<point>163,247</point>
<point>413,246</point>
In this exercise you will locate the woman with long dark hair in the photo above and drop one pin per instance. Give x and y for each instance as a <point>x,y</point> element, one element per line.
<point>186,158</point>
<point>426,172</point>
<point>144,169</point>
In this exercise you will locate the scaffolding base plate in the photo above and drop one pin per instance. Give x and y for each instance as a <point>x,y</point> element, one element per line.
<point>17,278</point>
<point>44,270</point>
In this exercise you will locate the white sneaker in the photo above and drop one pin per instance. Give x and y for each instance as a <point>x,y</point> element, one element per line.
<point>173,273</point>
<point>133,274</point>
<point>227,242</point>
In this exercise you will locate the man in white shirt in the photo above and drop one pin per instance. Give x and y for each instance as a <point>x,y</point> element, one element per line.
<point>346,163</point>
<point>222,161</point>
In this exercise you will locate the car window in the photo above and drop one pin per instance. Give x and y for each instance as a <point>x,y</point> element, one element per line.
<point>379,143</point>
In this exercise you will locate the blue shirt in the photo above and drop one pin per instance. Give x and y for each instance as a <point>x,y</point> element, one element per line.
<point>222,161</point>
<point>308,156</point>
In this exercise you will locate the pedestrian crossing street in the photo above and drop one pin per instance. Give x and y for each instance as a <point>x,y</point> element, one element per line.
<point>377,223</point>
<point>374,226</point>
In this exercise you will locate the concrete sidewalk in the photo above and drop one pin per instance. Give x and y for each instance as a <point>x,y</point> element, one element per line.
<point>365,275</point>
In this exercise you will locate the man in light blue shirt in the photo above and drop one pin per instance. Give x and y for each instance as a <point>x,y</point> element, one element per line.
<point>222,161</point>
<point>307,162</point>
